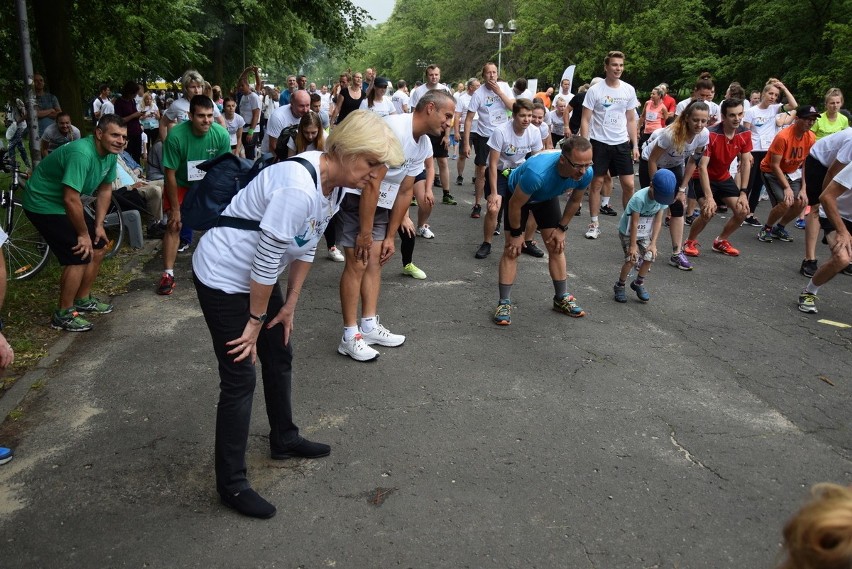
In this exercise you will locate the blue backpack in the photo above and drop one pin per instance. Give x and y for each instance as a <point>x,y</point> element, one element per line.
<point>226,175</point>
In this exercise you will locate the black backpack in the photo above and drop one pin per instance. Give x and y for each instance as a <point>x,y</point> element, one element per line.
<point>281,149</point>
<point>226,175</point>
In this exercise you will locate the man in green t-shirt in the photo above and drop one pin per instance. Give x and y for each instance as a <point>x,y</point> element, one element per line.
<point>188,144</point>
<point>52,202</point>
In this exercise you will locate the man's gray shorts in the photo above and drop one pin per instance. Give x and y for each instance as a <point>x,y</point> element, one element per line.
<point>349,224</point>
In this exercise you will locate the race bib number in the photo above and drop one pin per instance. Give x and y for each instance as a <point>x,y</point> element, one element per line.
<point>387,195</point>
<point>615,119</point>
<point>193,174</point>
<point>651,116</point>
<point>643,230</point>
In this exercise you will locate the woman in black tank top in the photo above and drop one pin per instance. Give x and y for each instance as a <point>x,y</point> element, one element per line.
<point>350,98</point>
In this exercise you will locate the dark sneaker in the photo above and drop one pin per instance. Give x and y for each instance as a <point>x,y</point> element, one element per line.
<point>503,314</point>
<point>184,246</point>
<point>722,208</point>
<point>483,251</point>
<point>620,295</point>
<point>800,224</point>
<point>499,226</point>
<point>607,210</point>
<point>530,248</point>
<point>302,449</point>
<point>579,211</point>
<point>459,180</point>
<point>568,305</point>
<point>752,220</point>
<point>809,267</point>
<point>249,503</point>
<point>476,212</point>
<point>689,219</point>
<point>847,270</point>
<point>781,234</point>
<point>449,199</point>
<point>640,291</point>
<point>167,284</point>
<point>437,182</point>
<point>807,302</point>
<point>92,304</point>
<point>764,235</point>
<point>70,321</point>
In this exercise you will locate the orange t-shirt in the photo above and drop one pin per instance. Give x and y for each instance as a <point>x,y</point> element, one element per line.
<point>792,150</point>
<point>544,98</point>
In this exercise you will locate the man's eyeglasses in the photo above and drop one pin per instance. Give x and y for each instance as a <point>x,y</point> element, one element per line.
<point>579,166</point>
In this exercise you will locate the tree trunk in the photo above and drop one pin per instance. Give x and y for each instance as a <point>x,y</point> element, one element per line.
<point>53,31</point>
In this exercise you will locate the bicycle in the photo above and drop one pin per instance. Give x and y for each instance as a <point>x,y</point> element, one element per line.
<point>25,249</point>
<point>113,222</point>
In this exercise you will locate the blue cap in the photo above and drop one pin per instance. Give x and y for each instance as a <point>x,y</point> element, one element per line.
<point>665,187</point>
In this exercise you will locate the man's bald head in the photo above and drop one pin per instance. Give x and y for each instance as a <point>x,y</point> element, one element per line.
<point>300,103</point>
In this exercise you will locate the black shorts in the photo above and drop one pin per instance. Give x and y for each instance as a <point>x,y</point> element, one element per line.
<point>438,148</point>
<point>480,147</point>
<point>721,190</point>
<point>814,177</point>
<point>61,236</point>
<point>617,159</point>
<point>676,208</point>
<point>421,177</point>
<point>828,227</point>
<point>547,214</point>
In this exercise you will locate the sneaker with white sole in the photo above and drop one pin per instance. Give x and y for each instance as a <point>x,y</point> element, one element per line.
<point>335,255</point>
<point>594,231</point>
<point>382,336</point>
<point>357,349</point>
<point>413,271</point>
<point>425,232</point>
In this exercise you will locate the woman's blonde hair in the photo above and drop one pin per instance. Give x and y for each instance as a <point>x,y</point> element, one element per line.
<point>819,536</point>
<point>364,133</point>
<point>191,76</point>
<point>834,92</point>
<point>309,118</point>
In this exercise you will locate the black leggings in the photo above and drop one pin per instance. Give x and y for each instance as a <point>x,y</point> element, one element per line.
<point>406,247</point>
<point>755,182</point>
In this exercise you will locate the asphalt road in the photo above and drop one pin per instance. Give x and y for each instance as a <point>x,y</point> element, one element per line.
<point>678,433</point>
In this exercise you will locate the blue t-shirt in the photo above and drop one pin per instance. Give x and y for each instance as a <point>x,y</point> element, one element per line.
<point>644,204</point>
<point>539,178</point>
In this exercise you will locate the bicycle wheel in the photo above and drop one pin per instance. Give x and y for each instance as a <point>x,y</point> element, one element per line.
<point>25,249</point>
<point>113,223</point>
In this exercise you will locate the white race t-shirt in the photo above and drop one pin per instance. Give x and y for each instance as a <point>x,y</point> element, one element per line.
<point>836,146</point>
<point>400,98</point>
<point>609,111</point>
<point>544,130</point>
<point>713,116</point>
<point>248,103</point>
<point>284,198</point>
<point>671,158</point>
<point>844,202</point>
<point>281,118</point>
<point>420,91</point>
<point>325,101</point>
<point>233,126</point>
<point>512,147</point>
<point>462,102</point>
<point>490,108</point>
<point>179,111</point>
<point>555,120</point>
<point>763,127</point>
<point>382,108</point>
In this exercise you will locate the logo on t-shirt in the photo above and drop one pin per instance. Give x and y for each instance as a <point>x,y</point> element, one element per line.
<point>608,101</point>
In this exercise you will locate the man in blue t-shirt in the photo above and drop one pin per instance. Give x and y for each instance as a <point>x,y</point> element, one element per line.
<point>535,187</point>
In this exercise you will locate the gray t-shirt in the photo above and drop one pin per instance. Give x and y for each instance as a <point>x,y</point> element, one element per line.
<point>55,139</point>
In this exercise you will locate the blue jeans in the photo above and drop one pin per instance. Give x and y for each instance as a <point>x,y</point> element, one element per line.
<point>226,316</point>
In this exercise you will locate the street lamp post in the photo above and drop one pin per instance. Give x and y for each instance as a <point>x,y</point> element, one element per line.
<point>489,28</point>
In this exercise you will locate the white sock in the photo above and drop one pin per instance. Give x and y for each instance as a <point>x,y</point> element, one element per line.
<point>595,219</point>
<point>349,332</point>
<point>368,324</point>
<point>170,272</point>
<point>812,288</point>
<point>604,201</point>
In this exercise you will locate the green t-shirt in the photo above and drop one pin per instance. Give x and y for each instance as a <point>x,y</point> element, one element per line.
<point>76,165</point>
<point>182,147</point>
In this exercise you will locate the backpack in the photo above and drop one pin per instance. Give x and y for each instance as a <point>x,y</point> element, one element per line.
<point>281,149</point>
<point>226,175</point>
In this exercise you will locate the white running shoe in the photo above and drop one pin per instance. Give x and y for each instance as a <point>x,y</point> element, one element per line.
<point>425,232</point>
<point>357,349</point>
<point>382,336</point>
<point>335,255</point>
<point>594,231</point>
